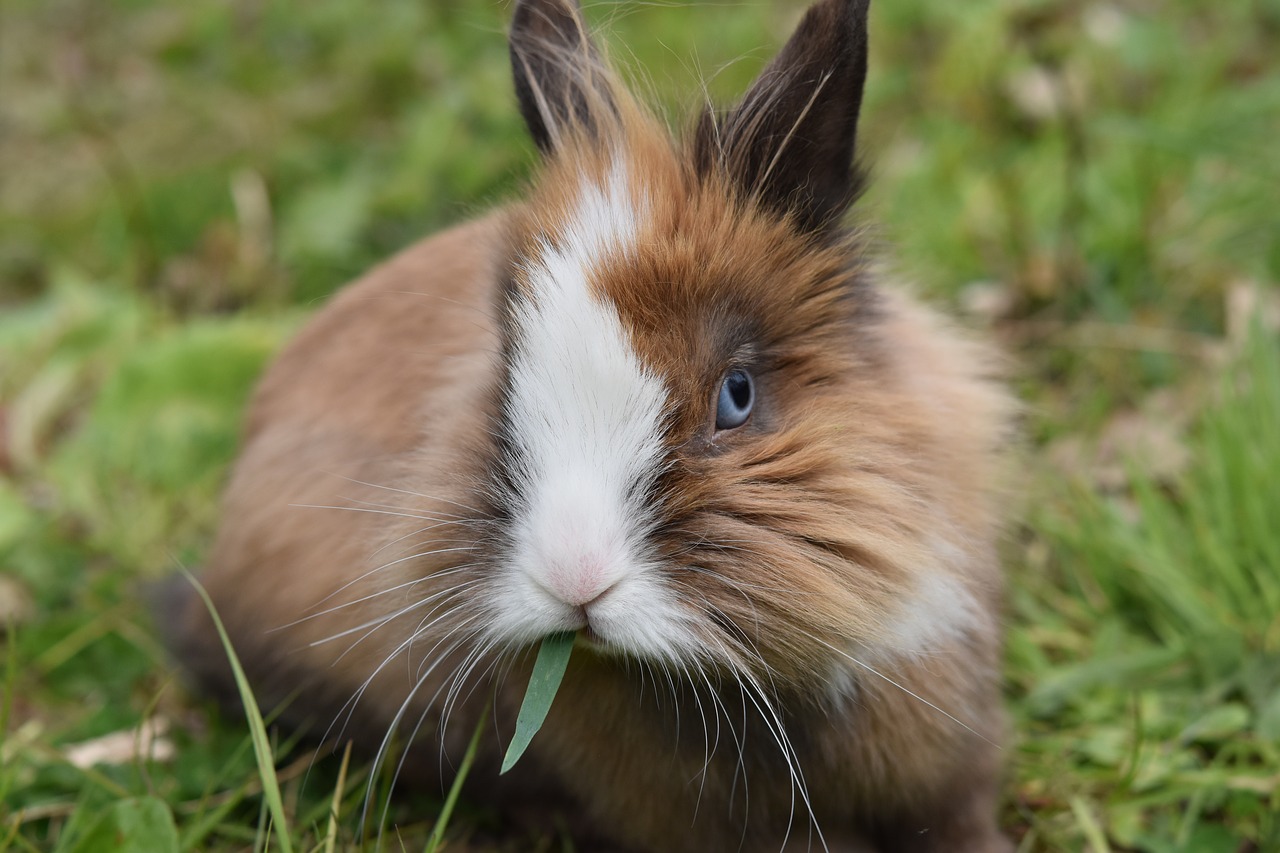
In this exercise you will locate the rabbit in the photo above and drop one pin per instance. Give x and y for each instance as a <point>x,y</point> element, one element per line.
<point>666,401</point>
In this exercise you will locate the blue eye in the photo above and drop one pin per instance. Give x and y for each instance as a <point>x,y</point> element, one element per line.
<point>737,395</point>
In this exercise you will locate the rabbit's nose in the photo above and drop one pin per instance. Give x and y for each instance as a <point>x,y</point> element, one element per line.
<point>580,582</point>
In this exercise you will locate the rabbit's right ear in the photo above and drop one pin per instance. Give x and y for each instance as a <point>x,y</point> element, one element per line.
<point>790,143</point>
<point>560,83</point>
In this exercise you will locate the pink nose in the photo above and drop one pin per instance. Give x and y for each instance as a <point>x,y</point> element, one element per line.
<point>581,584</point>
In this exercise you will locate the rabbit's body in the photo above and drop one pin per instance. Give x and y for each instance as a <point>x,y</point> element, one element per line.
<point>534,423</point>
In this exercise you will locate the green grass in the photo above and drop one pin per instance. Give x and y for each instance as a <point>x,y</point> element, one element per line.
<point>1094,184</point>
<point>1149,664</point>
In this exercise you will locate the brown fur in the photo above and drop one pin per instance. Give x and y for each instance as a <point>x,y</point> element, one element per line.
<point>870,469</point>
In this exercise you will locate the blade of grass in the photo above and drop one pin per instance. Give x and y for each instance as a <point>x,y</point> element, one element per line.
<point>331,835</point>
<point>195,833</point>
<point>1089,827</point>
<point>7,840</point>
<point>548,669</point>
<point>446,811</point>
<point>258,730</point>
<point>6,702</point>
<point>201,822</point>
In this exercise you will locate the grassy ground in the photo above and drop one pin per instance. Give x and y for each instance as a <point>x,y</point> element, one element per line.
<point>1096,183</point>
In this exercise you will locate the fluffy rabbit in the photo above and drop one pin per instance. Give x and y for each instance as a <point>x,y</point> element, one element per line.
<point>665,402</point>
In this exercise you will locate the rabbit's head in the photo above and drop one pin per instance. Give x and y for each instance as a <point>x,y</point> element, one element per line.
<point>709,450</point>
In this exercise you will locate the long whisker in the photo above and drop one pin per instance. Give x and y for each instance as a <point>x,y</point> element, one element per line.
<point>448,523</point>
<point>385,745</point>
<point>486,677</point>
<point>369,510</point>
<point>470,509</point>
<point>435,512</point>
<point>377,623</point>
<point>406,585</point>
<point>773,723</point>
<point>915,696</point>
<point>349,706</point>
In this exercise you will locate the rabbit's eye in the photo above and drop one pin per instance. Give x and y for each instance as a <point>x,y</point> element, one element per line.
<point>737,395</point>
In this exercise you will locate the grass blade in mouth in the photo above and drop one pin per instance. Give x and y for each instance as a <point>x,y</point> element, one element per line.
<point>548,669</point>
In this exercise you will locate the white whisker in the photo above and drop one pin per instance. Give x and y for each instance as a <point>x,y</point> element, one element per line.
<point>378,622</point>
<point>913,695</point>
<point>470,509</point>
<point>406,585</point>
<point>365,509</point>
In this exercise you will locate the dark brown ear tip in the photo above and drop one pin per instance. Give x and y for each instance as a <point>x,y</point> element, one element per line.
<point>855,11</point>
<point>790,144</point>
<point>554,21</point>
<point>857,15</point>
<point>840,18</point>
<point>840,22</point>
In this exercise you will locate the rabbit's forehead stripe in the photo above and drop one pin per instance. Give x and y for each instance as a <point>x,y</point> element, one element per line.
<point>586,418</point>
<point>580,398</point>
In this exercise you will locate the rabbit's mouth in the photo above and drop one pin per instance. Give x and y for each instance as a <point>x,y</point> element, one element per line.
<point>588,638</point>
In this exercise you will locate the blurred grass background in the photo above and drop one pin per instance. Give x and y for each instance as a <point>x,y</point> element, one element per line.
<point>1095,184</point>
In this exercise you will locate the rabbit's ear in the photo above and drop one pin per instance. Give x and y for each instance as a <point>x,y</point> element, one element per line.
<point>790,143</point>
<point>560,83</point>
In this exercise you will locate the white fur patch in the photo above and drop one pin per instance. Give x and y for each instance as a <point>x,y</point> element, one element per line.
<point>939,612</point>
<point>587,418</point>
<point>936,615</point>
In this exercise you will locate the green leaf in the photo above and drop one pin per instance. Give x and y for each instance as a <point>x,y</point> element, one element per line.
<point>143,825</point>
<point>1268,724</point>
<point>548,669</point>
<point>1218,725</point>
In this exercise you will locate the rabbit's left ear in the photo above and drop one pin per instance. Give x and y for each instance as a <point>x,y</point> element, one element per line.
<point>790,143</point>
<point>560,83</point>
